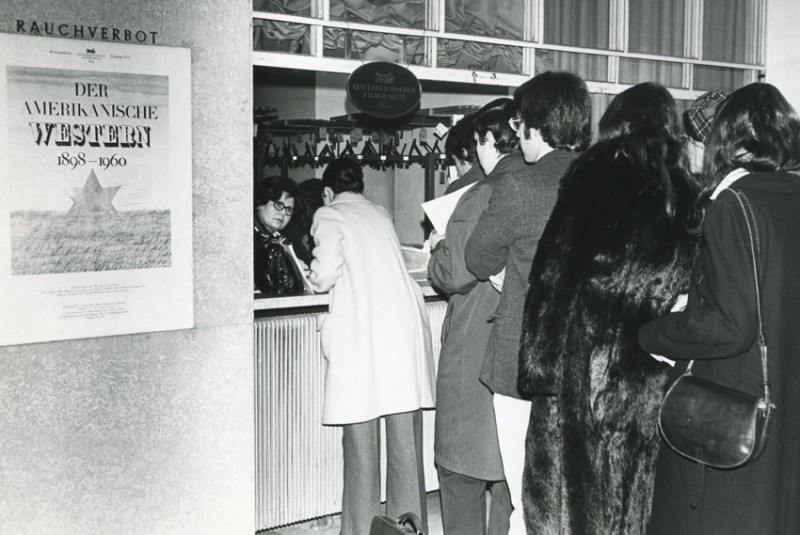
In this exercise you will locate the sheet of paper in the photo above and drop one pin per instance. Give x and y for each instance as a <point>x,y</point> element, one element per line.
<point>663,359</point>
<point>439,210</point>
<point>299,263</point>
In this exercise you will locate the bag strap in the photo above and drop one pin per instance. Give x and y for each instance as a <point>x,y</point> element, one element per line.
<point>752,230</point>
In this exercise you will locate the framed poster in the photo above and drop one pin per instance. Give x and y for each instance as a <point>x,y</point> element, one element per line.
<point>96,202</point>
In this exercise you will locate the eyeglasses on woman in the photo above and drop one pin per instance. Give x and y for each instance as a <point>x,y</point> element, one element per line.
<point>280,207</point>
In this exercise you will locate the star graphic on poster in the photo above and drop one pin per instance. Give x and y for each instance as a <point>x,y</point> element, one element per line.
<point>92,197</point>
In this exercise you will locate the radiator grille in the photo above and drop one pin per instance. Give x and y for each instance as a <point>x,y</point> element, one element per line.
<point>298,460</point>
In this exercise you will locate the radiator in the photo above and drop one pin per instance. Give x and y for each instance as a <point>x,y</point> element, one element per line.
<point>298,460</point>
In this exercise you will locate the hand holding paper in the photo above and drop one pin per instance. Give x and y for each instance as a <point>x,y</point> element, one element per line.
<point>434,239</point>
<point>497,280</point>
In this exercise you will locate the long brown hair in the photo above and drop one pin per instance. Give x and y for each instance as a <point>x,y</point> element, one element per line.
<point>643,122</point>
<point>756,129</point>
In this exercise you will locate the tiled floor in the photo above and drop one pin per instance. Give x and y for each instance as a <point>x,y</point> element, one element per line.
<point>330,525</point>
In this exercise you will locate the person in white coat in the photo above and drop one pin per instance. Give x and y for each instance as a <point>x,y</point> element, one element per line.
<point>377,343</point>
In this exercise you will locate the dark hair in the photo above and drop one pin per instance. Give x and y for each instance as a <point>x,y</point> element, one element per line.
<point>343,174</point>
<point>557,104</point>
<point>493,117</point>
<point>299,228</point>
<point>643,122</point>
<point>309,198</point>
<point>460,142</point>
<point>311,194</point>
<point>271,188</point>
<point>756,129</point>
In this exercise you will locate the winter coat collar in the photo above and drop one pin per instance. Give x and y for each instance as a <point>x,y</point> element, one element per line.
<point>774,181</point>
<point>728,181</point>
<point>348,196</point>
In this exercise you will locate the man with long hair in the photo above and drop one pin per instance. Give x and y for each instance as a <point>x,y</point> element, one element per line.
<point>553,125</point>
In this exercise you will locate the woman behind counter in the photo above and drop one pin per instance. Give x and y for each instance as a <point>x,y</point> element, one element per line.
<point>615,253</point>
<point>753,146</point>
<point>275,201</point>
<point>377,343</point>
<point>467,453</point>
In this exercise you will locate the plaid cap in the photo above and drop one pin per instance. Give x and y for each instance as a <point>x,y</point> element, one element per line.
<point>698,118</point>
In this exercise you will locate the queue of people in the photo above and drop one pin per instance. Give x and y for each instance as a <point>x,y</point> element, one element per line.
<point>573,271</point>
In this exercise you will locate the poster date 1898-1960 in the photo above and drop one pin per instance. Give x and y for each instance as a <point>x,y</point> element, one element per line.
<point>95,211</point>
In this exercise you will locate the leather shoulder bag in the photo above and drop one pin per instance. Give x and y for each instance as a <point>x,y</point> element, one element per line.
<point>715,425</point>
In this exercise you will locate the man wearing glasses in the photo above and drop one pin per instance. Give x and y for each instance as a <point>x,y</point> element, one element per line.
<point>552,124</point>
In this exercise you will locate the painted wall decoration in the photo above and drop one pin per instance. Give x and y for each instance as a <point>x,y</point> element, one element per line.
<point>95,175</point>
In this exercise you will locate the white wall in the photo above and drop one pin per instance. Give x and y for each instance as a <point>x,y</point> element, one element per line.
<point>151,433</point>
<point>783,48</point>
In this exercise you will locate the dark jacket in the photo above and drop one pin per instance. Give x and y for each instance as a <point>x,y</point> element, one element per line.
<point>273,275</point>
<point>719,329</point>
<point>474,174</point>
<point>465,431</point>
<point>506,236</point>
<point>610,259</point>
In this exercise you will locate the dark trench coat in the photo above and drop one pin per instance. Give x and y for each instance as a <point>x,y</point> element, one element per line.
<point>465,431</point>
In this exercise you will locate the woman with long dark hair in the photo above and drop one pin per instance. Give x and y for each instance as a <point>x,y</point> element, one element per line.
<point>615,253</point>
<point>754,148</point>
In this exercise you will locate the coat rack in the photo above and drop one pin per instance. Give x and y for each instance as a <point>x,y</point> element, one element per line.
<point>293,144</point>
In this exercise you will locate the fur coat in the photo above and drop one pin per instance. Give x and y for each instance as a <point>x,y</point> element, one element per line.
<point>610,259</point>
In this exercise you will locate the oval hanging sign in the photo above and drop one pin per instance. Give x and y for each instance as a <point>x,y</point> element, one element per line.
<point>385,90</point>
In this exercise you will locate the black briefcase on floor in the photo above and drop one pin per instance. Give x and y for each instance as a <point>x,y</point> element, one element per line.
<point>406,524</point>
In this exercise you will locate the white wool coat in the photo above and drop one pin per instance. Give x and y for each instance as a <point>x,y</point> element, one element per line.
<point>376,336</point>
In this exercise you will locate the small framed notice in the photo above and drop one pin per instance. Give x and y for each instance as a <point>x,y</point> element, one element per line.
<point>96,204</point>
